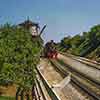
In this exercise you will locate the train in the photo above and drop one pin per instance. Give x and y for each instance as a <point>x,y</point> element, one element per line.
<point>50,50</point>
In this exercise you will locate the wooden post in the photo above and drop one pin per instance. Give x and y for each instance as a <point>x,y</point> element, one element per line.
<point>17,93</point>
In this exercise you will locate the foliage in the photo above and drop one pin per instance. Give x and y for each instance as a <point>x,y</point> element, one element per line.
<point>6,98</point>
<point>76,41</point>
<point>66,42</point>
<point>84,44</point>
<point>19,55</point>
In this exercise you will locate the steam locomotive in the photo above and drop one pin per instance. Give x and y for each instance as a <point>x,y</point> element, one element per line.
<point>50,50</point>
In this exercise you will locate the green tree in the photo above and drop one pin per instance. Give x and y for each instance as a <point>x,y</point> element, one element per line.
<point>76,41</point>
<point>66,42</point>
<point>19,55</point>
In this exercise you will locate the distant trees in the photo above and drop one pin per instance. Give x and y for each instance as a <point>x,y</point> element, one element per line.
<point>92,40</point>
<point>84,44</point>
<point>66,42</point>
<point>76,41</point>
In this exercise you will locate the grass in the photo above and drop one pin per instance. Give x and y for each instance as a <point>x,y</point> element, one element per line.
<point>6,98</point>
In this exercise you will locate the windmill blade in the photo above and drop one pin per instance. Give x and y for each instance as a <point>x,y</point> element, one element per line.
<point>42,30</point>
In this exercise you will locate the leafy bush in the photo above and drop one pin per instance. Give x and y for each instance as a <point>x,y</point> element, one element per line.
<point>19,55</point>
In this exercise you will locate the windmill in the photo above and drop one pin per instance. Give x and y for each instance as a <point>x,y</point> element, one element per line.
<point>33,27</point>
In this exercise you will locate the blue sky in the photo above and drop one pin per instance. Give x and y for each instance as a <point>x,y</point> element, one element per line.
<point>63,17</point>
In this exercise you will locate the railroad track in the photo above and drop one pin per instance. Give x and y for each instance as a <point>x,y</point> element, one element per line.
<point>88,71</point>
<point>84,83</point>
<point>83,60</point>
<point>89,62</point>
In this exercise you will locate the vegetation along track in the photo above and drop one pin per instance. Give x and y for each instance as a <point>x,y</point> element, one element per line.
<point>85,84</point>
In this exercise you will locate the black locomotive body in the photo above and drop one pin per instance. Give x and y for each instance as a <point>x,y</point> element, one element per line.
<point>50,50</point>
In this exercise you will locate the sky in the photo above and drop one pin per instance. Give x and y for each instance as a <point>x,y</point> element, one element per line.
<point>62,17</point>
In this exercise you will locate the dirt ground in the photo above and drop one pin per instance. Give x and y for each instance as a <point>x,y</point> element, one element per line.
<point>8,90</point>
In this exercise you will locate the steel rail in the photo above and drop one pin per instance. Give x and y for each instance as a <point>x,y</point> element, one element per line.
<point>82,60</point>
<point>79,80</point>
